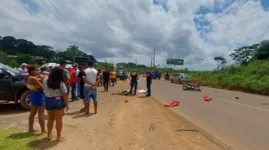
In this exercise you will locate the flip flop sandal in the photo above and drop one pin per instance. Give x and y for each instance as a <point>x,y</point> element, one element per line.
<point>62,139</point>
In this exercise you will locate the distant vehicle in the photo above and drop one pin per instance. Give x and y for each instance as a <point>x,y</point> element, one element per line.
<point>13,87</point>
<point>121,73</point>
<point>55,65</point>
<point>180,78</point>
<point>50,65</point>
<point>156,75</point>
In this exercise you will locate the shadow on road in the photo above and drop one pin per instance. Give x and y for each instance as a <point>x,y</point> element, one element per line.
<point>42,144</point>
<point>6,109</point>
<point>23,135</point>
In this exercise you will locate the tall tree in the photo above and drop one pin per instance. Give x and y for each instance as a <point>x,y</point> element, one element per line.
<point>220,61</point>
<point>243,55</point>
<point>262,52</point>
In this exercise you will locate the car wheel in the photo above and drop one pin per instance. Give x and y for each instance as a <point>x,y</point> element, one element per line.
<point>171,81</point>
<point>25,100</point>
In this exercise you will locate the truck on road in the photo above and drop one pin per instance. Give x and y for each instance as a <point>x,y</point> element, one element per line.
<point>13,86</point>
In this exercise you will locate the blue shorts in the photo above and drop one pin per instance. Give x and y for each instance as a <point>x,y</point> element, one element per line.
<point>54,103</point>
<point>89,93</point>
<point>37,98</point>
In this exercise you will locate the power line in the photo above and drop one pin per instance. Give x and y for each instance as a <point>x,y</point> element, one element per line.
<point>59,12</point>
<point>59,18</point>
<point>38,18</point>
<point>225,13</point>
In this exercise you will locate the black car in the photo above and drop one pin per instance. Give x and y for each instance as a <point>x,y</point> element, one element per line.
<point>13,87</point>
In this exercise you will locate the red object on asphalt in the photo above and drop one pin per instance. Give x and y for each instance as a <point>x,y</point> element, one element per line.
<point>206,98</point>
<point>126,101</point>
<point>172,104</point>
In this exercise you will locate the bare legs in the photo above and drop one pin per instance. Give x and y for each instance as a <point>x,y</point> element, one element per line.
<point>56,115</point>
<point>87,107</point>
<point>50,123</point>
<point>41,118</point>
<point>95,107</point>
<point>32,118</point>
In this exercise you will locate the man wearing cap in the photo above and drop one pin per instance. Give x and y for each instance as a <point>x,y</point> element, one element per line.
<point>23,68</point>
<point>133,78</point>
<point>73,81</point>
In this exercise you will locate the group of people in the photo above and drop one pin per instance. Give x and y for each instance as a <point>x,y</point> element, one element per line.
<point>134,82</point>
<point>49,91</point>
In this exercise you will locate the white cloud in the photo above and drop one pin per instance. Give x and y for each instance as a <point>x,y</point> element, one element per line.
<point>115,30</point>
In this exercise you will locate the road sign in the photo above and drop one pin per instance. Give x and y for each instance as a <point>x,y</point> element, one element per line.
<point>175,61</point>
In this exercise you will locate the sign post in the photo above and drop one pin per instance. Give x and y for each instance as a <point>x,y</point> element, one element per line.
<point>175,62</point>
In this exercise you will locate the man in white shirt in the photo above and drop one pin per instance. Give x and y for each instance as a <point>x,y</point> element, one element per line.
<point>90,90</point>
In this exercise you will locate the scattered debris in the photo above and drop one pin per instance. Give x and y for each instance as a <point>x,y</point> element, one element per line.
<point>141,91</point>
<point>192,130</point>
<point>126,101</point>
<point>207,98</point>
<point>172,104</point>
<point>237,98</point>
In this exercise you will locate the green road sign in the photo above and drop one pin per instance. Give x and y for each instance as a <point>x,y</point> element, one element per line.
<point>175,61</point>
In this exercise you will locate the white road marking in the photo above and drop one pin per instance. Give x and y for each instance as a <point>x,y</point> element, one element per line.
<point>258,108</point>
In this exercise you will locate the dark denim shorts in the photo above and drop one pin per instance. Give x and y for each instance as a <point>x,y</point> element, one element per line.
<point>54,103</point>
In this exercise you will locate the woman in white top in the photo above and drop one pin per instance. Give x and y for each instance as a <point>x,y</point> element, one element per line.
<point>56,100</point>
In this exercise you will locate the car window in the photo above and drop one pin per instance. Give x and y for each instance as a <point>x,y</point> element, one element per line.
<point>9,69</point>
<point>3,71</point>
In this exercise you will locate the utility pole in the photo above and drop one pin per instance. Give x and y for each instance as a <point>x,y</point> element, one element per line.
<point>150,61</point>
<point>154,53</point>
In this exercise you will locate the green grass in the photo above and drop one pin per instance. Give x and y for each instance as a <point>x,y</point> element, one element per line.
<point>16,140</point>
<point>253,78</point>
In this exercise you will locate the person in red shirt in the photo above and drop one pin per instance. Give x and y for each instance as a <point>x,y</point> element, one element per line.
<point>74,80</point>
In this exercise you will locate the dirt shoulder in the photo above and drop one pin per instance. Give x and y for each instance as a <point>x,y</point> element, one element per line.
<point>120,125</point>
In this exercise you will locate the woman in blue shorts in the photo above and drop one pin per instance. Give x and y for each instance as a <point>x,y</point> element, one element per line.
<point>34,82</point>
<point>56,100</point>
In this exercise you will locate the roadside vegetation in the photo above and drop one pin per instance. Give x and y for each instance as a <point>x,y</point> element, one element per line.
<point>250,73</point>
<point>14,140</point>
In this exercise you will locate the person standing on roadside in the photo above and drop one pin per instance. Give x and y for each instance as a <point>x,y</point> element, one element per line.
<point>90,87</point>
<point>44,71</point>
<point>66,75</point>
<point>149,81</point>
<point>113,77</point>
<point>73,81</point>
<point>133,78</point>
<point>81,84</point>
<point>56,101</point>
<point>34,82</point>
<point>100,75</point>
<point>106,79</point>
<point>24,68</point>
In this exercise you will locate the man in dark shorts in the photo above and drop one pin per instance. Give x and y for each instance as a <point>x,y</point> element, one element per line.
<point>149,81</point>
<point>106,79</point>
<point>81,90</point>
<point>133,84</point>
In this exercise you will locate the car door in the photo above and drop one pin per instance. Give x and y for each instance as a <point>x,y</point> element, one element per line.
<point>5,84</point>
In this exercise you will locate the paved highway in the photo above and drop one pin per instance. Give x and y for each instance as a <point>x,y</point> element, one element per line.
<point>242,123</point>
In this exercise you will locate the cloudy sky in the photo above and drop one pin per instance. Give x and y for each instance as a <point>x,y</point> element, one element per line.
<point>126,30</point>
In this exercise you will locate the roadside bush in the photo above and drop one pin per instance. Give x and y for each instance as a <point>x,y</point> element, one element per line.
<point>252,78</point>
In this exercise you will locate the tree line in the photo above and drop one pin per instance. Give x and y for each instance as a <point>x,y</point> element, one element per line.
<point>14,51</point>
<point>246,54</point>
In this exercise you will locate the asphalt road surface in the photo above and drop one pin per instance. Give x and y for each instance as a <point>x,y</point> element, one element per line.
<point>238,119</point>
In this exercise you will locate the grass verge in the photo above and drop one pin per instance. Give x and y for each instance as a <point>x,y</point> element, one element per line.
<point>16,140</point>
